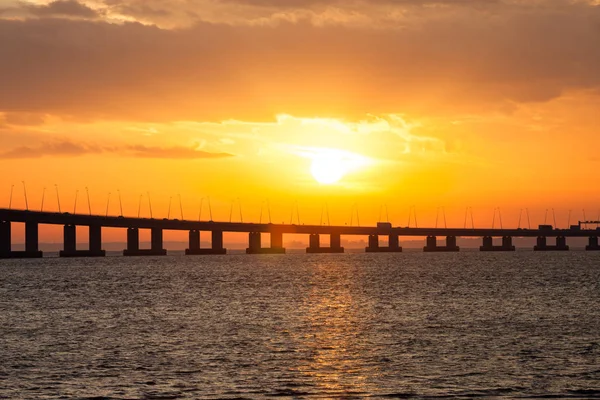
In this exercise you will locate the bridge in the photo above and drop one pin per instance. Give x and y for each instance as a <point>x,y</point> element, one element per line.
<point>32,220</point>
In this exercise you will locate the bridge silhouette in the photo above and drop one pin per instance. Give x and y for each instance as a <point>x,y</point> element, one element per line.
<point>32,220</point>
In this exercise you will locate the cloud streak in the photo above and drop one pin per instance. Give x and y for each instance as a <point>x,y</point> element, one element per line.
<point>72,149</point>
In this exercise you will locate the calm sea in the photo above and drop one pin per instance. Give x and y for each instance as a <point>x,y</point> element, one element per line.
<point>404,325</point>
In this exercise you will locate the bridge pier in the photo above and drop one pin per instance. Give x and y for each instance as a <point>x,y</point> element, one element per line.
<point>335,244</point>
<point>70,242</point>
<point>133,243</point>
<point>217,242</point>
<point>593,244</point>
<point>432,247</point>
<point>488,244</point>
<point>255,246</point>
<point>31,241</point>
<point>5,239</point>
<point>393,245</point>
<point>561,244</point>
<point>194,244</point>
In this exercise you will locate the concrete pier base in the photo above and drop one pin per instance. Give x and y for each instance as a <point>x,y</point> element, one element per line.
<point>144,252</point>
<point>204,252</point>
<point>266,250</point>
<point>383,250</point>
<point>82,253</point>
<point>324,250</point>
<point>22,254</point>
<point>488,244</point>
<point>561,244</point>
<point>432,247</point>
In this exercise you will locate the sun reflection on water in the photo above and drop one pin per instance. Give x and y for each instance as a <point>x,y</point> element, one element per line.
<point>333,340</point>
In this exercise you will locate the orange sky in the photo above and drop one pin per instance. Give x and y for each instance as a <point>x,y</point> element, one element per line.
<point>427,103</point>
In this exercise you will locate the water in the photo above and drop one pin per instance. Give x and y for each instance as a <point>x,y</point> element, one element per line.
<point>467,324</point>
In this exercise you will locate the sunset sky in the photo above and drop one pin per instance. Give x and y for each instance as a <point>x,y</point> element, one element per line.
<point>448,103</point>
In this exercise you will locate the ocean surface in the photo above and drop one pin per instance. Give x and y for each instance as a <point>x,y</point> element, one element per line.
<point>422,325</point>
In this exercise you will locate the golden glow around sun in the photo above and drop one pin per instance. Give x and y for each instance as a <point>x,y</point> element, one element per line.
<point>329,166</point>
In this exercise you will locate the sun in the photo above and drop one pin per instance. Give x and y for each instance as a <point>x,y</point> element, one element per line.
<point>329,166</point>
<point>327,169</point>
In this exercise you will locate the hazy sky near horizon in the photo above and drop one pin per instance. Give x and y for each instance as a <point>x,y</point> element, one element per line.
<point>449,103</point>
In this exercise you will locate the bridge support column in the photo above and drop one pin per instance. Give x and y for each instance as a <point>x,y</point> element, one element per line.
<point>488,244</point>
<point>31,242</point>
<point>540,244</point>
<point>95,240</point>
<point>70,238</point>
<point>133,239</point>
<point>432,247</point>
<point>373,246</point>
<point>593,244</point>
<point>430,244</point>
<point>561,244</point>
<point>133,243</point>
<point>393,241</point>
<point>156,242</point>
<point>276,240</point>
<point>393,245</point>
<point>217,242</point>
<point>507,244</point>
<point>70,242</point>
<point>195,247</point>
<point>32,238</point>
<point>314,243</point>
<point>5,239</point>
<point>255,246</point>
<point>334,244</point>
<point>194,241</point>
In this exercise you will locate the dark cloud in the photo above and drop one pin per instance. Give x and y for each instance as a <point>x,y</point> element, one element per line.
<point>132,71</point>
<point>62,8</point>
<point>63,148</point>
<point>71,149</point>
<point>26,119</point>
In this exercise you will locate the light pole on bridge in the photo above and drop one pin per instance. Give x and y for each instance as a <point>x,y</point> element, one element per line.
<point>57,198</point>
<point>43,195</point>
<point>25,193</point>
<point>75,203</point>
<point>10,198</point>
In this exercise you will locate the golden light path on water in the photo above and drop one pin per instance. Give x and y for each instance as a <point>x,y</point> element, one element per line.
<point>335,364</point>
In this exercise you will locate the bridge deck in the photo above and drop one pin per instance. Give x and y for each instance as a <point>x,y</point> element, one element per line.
<point>54,218</point>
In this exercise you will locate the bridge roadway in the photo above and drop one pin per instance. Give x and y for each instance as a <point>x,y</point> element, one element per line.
<point>33,219</point>
<point>53,218</point>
